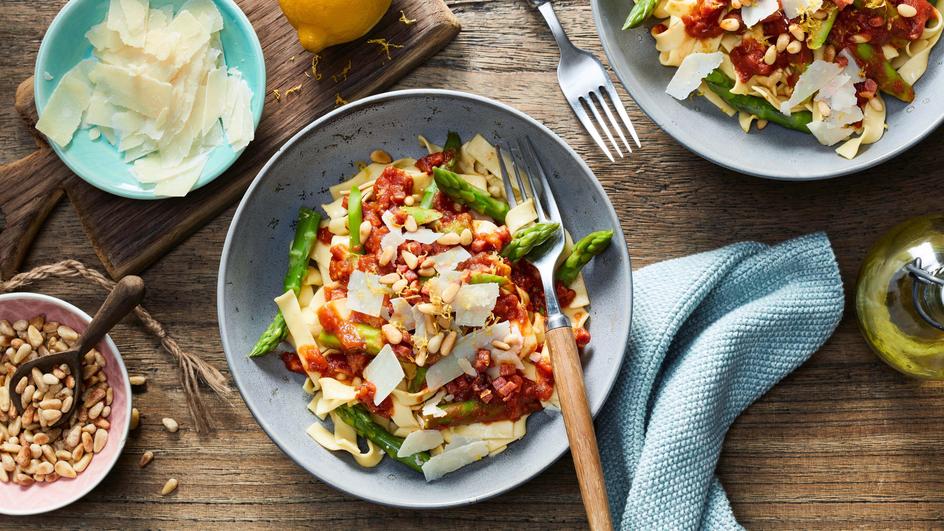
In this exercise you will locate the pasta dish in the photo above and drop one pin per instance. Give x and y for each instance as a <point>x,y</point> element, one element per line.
<point>411,310</point>
<point>815,66</point>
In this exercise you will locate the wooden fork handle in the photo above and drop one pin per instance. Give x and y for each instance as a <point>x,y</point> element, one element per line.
<point>568,379</point>
<point>127,293</point>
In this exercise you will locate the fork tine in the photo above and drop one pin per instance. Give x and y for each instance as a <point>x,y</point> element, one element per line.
<point>614,97</point>
<point>596,114</point>
<point>588,125</point>
<point>506,180</point>
<point>553,214</point>
<point>518,170</point>
<point>522,161</point>
<point>612,119</point>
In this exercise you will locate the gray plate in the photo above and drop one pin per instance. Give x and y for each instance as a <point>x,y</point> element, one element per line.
<point>774,152</point>
<point>254,261</point>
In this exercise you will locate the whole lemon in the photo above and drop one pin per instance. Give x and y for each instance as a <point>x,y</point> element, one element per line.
<point>324,23</point>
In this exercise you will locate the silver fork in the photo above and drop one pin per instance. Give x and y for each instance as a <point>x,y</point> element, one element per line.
<point>584,81</point>
<point>559,336</point>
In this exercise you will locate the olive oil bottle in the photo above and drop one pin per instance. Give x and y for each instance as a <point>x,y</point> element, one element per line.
<point>900,297</point>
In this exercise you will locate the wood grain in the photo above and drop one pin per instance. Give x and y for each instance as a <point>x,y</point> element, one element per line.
<point>128,235</point>
<point>842,443</point>
<point>568,379</point>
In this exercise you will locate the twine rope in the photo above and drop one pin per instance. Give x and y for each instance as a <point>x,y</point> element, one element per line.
<point>192,369</point>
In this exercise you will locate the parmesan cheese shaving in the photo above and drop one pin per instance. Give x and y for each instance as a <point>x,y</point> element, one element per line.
<point>454,459</point>
<point>419,441</point>
<point>474,303</point>
<point>385,372</point>
<point>689,74</point>
<point>365,293</point>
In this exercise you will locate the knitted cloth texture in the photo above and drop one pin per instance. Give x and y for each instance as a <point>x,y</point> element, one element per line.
<point>711,333</point>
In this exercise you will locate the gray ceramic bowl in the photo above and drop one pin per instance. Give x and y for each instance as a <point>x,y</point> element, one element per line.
<point>255,256</point>
<point>774,152</point>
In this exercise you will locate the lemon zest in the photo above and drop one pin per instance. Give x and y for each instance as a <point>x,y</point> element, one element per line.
<point>342,75</point>
<point>385,45</point>
<point>315,59</point>
<point>294,89</point>
<point>338,100</point>
<point>406,20</point>
<point>278,94</point>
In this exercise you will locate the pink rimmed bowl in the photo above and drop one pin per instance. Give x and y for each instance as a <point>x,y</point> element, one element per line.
<point>45,497</point>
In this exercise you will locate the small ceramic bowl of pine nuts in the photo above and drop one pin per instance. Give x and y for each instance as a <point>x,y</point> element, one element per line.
<point>44,468</point>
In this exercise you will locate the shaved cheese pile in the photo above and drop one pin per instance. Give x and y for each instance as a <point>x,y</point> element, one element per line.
<point>758,11</point>
<point>453,459</point>
<point>448,368</point>
<point>689,74</point>
<point>385,372</point>
<point>834,87</point>
<point>159,89</point>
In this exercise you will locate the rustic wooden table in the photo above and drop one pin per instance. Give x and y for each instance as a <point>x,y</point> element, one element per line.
<point>843,442</point>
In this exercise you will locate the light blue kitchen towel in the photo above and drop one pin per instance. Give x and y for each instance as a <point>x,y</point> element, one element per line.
<point>711,333</point>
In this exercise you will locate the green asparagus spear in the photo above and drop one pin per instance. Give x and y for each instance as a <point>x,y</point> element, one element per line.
<point>589,246</point>
<point>354,218</point>
<point>476,198</point>
<point>486,278</point>
<point>721,85</point>
<point>422,215</point>
<point>458,413</point>
<point>641,11</point>
<point>306,230</point>
<point>359,419</point>
<point>419,380</point>
<point>878,68</point>
<point>527,239</point>
<point>372,338</point>
<point>452,146</point>
<point>429,195</point>
<point>821,33</point>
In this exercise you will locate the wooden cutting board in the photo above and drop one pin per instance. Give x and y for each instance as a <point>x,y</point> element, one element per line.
<point>128,235</point>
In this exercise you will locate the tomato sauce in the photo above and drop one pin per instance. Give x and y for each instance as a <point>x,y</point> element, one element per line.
<point>703,21</point>
<point>427,163</point>
<point>390,189</point>
<point>292,363</point>
<point>344,330</point>
<point>881,26</point>
<point>748,59</point>
<point>365,394</point>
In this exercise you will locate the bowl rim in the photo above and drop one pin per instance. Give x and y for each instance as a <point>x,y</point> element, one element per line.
<point>245,28</point>
<point>78,494</point>
<point>648,105</point>
<point>352,107</point>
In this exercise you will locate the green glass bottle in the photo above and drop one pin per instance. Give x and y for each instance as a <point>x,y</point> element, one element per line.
<point>899,299</point>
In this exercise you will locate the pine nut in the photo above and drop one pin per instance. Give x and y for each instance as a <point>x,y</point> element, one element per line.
<point>860,38</point>
<point>49,454</point>
<point>449,293</point>
<point>20,325</point>
<point>770,56</point>
<point>146,458</point>
<point>409,200</point>
<point>21,385</point>
<point>501,345</point>
<point>67,334</point>
<point>4,398</point>
<point>22,353</point>
<point>387,255</point>
<point>794,47</point>
<point>427,263</point>
<point>392,334</point>
<point>761,124</point>
<point>83,463</point>
<point>820,14</point>
<point>44,468</point>
<point>735,4</point>
<point>380,156</point>
<point>823,108</point>
<point>169,487</point>
<point>389,278</point>
<point>782,41</point>
<point>427,273</point>
<point>34,337</point>
<point>101,438</point>
<point>829,53</point>
<point>170,424</point>
<point>41,438</point>
<point>906,10</point>
<point>797,32</point>
<point>135,418</point>
<point>51,403</point>
<point>449,238</point>
<point>96,410</point>
<point>399,285</point>
<point>137,380</point>
<point>409,259</point>
<point>448,343</point>
<point>410,224</point>
<point>434,343</point>
<point>730,24</point>
<point>466,237</point>
<point>87,442</point>
<point>64,469</point>
<point>66,404</point>
<point>6,329</point>
<point>50,379</point>
<point>365,230</point>
<point>427,308</point>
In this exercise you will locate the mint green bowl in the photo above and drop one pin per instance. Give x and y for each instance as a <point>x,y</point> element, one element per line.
<point>97,161</point>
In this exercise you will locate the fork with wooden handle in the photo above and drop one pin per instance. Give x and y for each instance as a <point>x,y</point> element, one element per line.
<point>559,338</point>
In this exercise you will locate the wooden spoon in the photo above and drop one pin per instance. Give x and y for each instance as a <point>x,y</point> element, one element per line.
<point>127,294</point>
